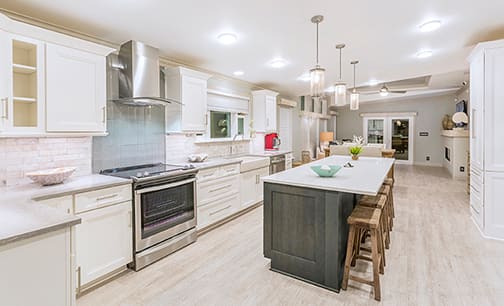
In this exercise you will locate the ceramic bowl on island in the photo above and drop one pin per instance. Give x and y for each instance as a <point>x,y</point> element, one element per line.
<point>51,176</point>
<point>326,170</point>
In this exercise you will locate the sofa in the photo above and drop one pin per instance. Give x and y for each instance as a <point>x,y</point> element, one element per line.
<point>369,150</point>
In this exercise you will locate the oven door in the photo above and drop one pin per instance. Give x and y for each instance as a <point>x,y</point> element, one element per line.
<point>164,211</point>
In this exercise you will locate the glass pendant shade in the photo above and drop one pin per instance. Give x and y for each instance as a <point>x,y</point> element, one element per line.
<point>354,101</point>
<point>317,80</point>
<point>340,94</point>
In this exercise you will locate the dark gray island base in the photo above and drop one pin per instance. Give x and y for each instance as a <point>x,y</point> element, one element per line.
<point>306,233</point>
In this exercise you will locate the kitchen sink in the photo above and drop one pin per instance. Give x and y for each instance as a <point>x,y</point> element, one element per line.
<point>253,162</point>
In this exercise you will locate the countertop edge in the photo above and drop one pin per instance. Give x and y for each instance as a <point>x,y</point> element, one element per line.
<point>79,190</point>
<point>320,188</point>
<point>72,220</point>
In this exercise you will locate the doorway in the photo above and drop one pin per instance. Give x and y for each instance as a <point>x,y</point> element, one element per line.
<point>394,131</point>
<point>285,128</point>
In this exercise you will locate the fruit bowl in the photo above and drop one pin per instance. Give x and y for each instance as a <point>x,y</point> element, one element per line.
<point>51,176</point>
<point>326,170</point>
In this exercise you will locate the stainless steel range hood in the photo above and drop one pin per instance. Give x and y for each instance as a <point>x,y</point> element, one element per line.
<point>139,79</point>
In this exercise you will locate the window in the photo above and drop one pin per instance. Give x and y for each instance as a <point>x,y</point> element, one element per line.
<point>227,124</point>
<point>220,124</point>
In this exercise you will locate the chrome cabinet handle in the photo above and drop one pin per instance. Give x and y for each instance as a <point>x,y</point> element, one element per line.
<point>473,123</point>
<point>78,270</point>
<point>104,114</point>
<point>107,197</point>
<point>219,210</point>
<point>5,108</point>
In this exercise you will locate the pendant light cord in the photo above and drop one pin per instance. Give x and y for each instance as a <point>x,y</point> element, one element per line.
<point>317,44</point>
<point>354,75</point>
<point>340,64</point>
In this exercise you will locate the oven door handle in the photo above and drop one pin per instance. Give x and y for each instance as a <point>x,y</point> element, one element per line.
<point>166,186</point>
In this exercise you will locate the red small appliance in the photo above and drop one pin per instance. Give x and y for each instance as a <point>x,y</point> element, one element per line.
<point>271,141</point>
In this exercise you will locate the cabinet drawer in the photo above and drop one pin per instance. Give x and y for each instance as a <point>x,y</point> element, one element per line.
<point>476,202</point>
<point>230,170</point>
<point>61,203</point>
<point>209,191</point>
<point>217,210</point>
<point>103,197</point>
<point>477,217</point>
<point>208,174</point>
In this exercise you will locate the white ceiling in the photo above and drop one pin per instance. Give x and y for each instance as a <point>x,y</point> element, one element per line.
<point>383,35</point>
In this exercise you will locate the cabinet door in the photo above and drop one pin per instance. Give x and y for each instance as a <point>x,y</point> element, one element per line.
<point>76,90</point>
<point>248,187</point>
<point>494,110</point>
<point>259,118</point>
<point>194,98</point>
<point>271,114</point>
<point>103,241</point>
<point>493,204</point>
<point>62,203</point>
<point>260,185</point>
<point>5,78</point>
<point>476,115</point>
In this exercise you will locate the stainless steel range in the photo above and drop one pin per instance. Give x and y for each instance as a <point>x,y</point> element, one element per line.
<point>164,198</point>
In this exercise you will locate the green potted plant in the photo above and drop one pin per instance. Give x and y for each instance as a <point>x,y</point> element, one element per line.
<point>356,149</point>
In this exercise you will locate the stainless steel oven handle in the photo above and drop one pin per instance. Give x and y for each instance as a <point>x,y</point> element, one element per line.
<point>166,186</point>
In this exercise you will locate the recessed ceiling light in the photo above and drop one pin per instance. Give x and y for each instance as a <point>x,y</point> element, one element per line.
<point>238,73</point>
<point>373,82</point>
<point>424,54</point>
<point>430,26</point>
<point>227,38</point>
<point>305,77</point>
<point>278,63</point>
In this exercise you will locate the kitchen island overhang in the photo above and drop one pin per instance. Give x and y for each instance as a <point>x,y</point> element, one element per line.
<point>305,217</point>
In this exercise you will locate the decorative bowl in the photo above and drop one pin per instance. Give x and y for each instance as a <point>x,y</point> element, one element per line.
<point>197,158</point>
<point>51,176</point>
<point>326,170</point>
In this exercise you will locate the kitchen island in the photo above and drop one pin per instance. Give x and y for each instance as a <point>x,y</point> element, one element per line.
<point>305,228</point>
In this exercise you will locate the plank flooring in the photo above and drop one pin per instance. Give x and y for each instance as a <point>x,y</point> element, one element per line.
<point>436,257</point>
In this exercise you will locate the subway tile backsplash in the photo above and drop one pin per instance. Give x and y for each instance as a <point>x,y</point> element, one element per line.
<point>21,155</point>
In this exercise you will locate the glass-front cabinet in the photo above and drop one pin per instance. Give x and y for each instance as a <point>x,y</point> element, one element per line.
<point>22,95</point>
<point>375,130</point>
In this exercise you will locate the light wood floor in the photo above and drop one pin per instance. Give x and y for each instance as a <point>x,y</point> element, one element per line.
<point>437,257</point>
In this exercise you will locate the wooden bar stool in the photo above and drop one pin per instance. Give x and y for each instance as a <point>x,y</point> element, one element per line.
<point>380,201</point>
<point>365,219</point>
<point>390,182</point>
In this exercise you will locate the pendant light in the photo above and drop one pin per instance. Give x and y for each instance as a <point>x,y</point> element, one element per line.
<point>317,74</point>
<point>354,96</point>
<point>340,87</point>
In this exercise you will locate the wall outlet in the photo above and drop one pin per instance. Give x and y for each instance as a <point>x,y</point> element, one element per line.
<point>462,169</point>
<point>427,158</point>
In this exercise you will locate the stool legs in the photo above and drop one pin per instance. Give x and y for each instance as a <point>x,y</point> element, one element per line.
<point>349,256</point>
<point>377,262</point>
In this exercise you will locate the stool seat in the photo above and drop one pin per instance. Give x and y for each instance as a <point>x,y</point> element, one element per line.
<point>378,201</point>
<point>389,182</point>
<point>365,217</point>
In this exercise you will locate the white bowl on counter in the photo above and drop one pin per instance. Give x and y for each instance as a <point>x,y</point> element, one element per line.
<point>51,176</point>
<point>197,158</point>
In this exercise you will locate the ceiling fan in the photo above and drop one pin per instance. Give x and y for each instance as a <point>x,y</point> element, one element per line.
<point>384,91</point>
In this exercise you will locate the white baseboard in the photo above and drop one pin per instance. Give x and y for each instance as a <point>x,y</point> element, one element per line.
<point>427,164</point>
<point>483,234</point>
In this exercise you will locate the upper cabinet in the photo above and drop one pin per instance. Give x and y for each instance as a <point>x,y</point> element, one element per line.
<point>264,110</point>
<point>190,88</point>
<point>476,113</point>
<point>54,83</point>
<point>75,90</point>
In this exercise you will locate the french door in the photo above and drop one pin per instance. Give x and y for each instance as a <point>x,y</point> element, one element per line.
<point>395,132</point>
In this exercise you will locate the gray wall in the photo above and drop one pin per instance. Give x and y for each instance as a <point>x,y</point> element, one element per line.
<point>430,113</point>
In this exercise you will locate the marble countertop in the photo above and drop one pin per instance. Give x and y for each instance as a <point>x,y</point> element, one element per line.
<point>211,162</point>
<point>271,153</point>
<point>366,177</point>
<point>21,217</point>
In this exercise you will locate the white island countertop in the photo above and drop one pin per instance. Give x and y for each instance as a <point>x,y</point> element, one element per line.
<point>366,177</point>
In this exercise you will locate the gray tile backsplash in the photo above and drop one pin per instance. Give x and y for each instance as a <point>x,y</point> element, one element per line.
<point>136,134</point>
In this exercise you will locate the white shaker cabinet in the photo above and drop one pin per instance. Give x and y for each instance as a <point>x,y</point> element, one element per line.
<point>487,141</point>
<point>251,186</point>
<point>190,88</point>
<point>264,110</point>
<point>75,90</point>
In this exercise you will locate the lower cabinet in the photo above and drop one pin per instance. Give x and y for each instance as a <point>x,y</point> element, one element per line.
<point>493,205</point>
<point>217,210</point>
<point>38,271</point>
<point>103,242</point>
<point>251,186</point>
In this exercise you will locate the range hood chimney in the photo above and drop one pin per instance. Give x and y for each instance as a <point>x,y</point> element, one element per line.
<point>139,79</point>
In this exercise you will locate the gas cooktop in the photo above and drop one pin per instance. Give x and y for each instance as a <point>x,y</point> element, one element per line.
<point>147,170</point>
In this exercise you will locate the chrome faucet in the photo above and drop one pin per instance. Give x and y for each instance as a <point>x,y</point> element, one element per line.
<point>232,142</point>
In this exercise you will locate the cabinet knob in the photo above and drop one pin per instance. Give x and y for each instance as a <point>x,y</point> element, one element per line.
<point>5,108</point>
